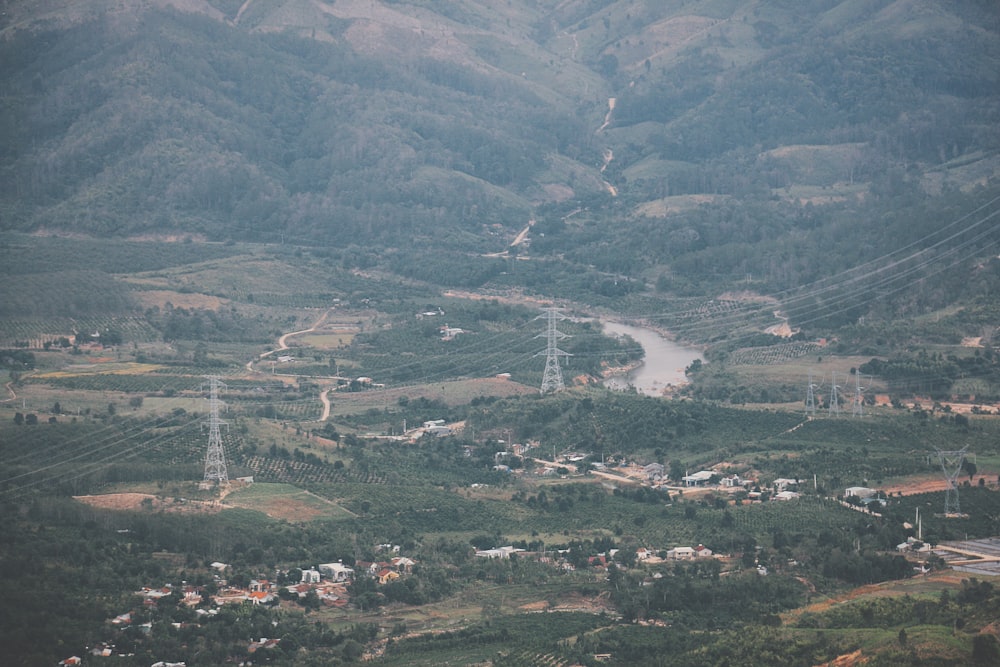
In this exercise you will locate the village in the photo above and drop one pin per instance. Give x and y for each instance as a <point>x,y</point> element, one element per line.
<point>330,585</point>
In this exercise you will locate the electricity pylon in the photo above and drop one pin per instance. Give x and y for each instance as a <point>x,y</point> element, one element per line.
<point>552,379</point>
<point>951,465</point>
<point>857,406</point>
<point>215,459</point>
<point>811,396</point>
<point>834,395</point>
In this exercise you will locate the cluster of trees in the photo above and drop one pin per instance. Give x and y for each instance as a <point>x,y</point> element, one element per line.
<point>203,324</point>
<point>935,374</point>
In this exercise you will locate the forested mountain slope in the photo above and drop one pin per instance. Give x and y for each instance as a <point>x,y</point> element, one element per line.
<point>677,139</point>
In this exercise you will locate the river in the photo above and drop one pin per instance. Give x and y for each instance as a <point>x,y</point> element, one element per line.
<point>663,363</point>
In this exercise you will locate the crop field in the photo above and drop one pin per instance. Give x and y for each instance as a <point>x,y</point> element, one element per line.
<point>284,501</point>
<point>35,332</point>
<point>104,368</point>
<point>161,298</point>
<point>536,635</point>
<point>300,472</point>
<point>773,354</point>
<point>123,381</point>
<point>327,340</point>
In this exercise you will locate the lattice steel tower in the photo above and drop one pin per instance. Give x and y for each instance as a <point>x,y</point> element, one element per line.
<point>858,404</point>
<point>811,396</point>
<point>951,465</point>
<point>834,395</point>
<point>215,459</point>
<point>552,379</point>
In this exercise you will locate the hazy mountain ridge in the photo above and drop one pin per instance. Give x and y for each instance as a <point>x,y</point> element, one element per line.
<point>380,121</point>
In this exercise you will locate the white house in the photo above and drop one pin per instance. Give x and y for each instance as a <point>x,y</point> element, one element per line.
<point>336,571</point>
<point>311,576</point>
<point>499,552</point>
<point>700,478</point>
<point>786,495</point>
<point>680,553</point>
<point>859,491</point>
<point>783,483</point>
<point>733,482</point>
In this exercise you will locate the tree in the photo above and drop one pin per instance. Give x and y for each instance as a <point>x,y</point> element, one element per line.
<point>31,419</point>
<point>18,418</point>
<point>985,650</point>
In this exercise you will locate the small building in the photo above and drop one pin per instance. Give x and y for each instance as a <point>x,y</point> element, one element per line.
<point>403,564</point>
<point>449,333</point>
<point>311,576</point>
<point>386,575</point>
<point>732,482</point>
<point>786,495</point>
<point>654,471</point>
<point>261,597</point>
<point>859,492</point>
<point>700,478</point>
<point>336,571</point>
<point>499,552</point>
<point>681,553</point>
<point>784,484</point>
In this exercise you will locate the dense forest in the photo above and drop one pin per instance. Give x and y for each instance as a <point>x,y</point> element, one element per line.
<point>746,142</point>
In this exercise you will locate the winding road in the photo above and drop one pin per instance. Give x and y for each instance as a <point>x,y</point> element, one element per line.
<point>324,396</point>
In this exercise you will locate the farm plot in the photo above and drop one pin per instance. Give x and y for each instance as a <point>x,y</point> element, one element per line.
<point>37,331</point>
<point>773,354</point>
<point>284,501</point>
<point>300,472</point>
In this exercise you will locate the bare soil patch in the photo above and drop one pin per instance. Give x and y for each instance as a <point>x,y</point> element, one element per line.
<point>160,298</point>
<point>135,502</point>
<point>915,485</point>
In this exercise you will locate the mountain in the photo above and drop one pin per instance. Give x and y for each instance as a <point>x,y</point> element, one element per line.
<point>676,141</point>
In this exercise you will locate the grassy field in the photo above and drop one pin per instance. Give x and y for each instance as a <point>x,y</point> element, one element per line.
<point>287,502</point>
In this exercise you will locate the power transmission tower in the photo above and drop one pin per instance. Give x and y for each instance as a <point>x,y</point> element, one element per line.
<point>215,459</point>
<point>951,465</point>
<point>834,395</point>
<point>552,379</point>
<point>811,396</point>
<point>857,406</point>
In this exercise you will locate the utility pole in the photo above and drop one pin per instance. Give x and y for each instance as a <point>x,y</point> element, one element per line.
<point>215,459</point>
<point>552,379</point>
